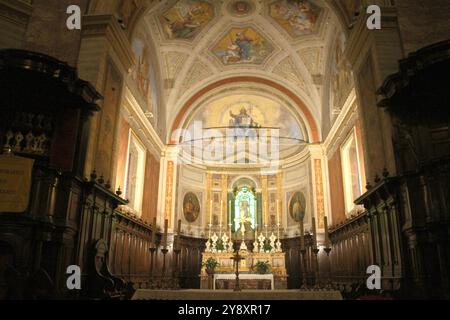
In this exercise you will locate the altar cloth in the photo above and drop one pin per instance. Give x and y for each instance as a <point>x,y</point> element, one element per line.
<point>197,295</point>
<point>243,276</point>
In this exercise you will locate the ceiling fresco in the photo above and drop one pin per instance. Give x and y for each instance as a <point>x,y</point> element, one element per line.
<point>186,19</point>
<point>200,42</point>
<point>263,111</point>
<point>297,17</point>
<point>242,45</point>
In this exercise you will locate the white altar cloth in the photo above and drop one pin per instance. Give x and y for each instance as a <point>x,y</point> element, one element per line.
<point>243,276</point>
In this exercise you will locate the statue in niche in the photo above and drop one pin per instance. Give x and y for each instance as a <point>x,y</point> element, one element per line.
<point>244,219</point>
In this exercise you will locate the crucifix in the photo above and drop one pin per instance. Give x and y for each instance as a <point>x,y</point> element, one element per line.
<point>237,259</point>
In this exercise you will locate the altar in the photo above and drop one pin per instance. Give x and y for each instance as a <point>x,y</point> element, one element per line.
<point>261,260</point>
<point>224,276</point>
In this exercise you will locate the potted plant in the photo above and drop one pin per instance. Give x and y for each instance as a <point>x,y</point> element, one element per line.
<point>267,247</point>
<point>219,246</point>
<point>211,265</point>
<point>262,267</point>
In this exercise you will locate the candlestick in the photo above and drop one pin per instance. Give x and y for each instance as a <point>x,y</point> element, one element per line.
<point>256,212</point>
<point>278,211</point>
<point>166,227</point>
<point>327,236</point>
<point>314,233</point>
<point>302,235</point>
<point>265,213</point>
<point>221,212</point>
<point>210,212</point>
<point>229,212</point>
<point>154,230</point>
<point>179,228</point>
<point>278,231</point>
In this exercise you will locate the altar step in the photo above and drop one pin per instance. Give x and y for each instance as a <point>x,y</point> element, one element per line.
<point>196,295</point>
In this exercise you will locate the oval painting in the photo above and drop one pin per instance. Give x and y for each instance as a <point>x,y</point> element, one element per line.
<point>297,206</point>
<point>191,207</point>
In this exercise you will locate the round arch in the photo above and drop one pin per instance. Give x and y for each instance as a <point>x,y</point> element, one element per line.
<point>309,118</point>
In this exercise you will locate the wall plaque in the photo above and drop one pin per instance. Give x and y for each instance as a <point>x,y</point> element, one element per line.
<point>15,183</point>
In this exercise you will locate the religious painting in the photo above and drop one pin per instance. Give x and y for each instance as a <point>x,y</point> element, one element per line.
<point>186,19</point>
<point>297,17</point>
<point>242,45</point>
<point>243,119</point>
<point>246,116</point>
<point>341,75</point>
<point>144,74</point>
<point>297,206</point>
<point>191,207</point>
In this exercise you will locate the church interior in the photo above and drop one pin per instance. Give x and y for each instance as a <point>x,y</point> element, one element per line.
<point>200,148</point>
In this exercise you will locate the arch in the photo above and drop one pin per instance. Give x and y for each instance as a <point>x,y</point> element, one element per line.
<point>239,178</point>
<point>310,121</point>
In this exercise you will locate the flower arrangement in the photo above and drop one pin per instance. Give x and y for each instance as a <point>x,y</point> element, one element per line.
<point>211,265</point>
<point>262,267</point>
<point>267,246</point>
<point>219,245</point>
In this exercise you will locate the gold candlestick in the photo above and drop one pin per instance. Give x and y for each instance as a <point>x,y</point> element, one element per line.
<point>278,212</point>
<point>210,212</point>
<point>265,213</point>
<point>230,224</point>
<point>221,212</point>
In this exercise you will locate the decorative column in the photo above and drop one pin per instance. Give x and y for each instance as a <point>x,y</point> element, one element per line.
<point>317,157</point>
<point>168,173</point>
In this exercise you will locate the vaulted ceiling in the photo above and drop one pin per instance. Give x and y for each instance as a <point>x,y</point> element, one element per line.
<point>200,42</point>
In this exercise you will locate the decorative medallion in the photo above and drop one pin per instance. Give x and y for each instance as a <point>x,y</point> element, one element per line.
<point>297,206</point>
<point>241,8</point>
<point>191,207</point>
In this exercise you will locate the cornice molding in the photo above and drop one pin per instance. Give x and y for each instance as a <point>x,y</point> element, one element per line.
<point>108,27</point>
<point>344,121</point>
<point>132,111</point>
<point>362,39</point>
